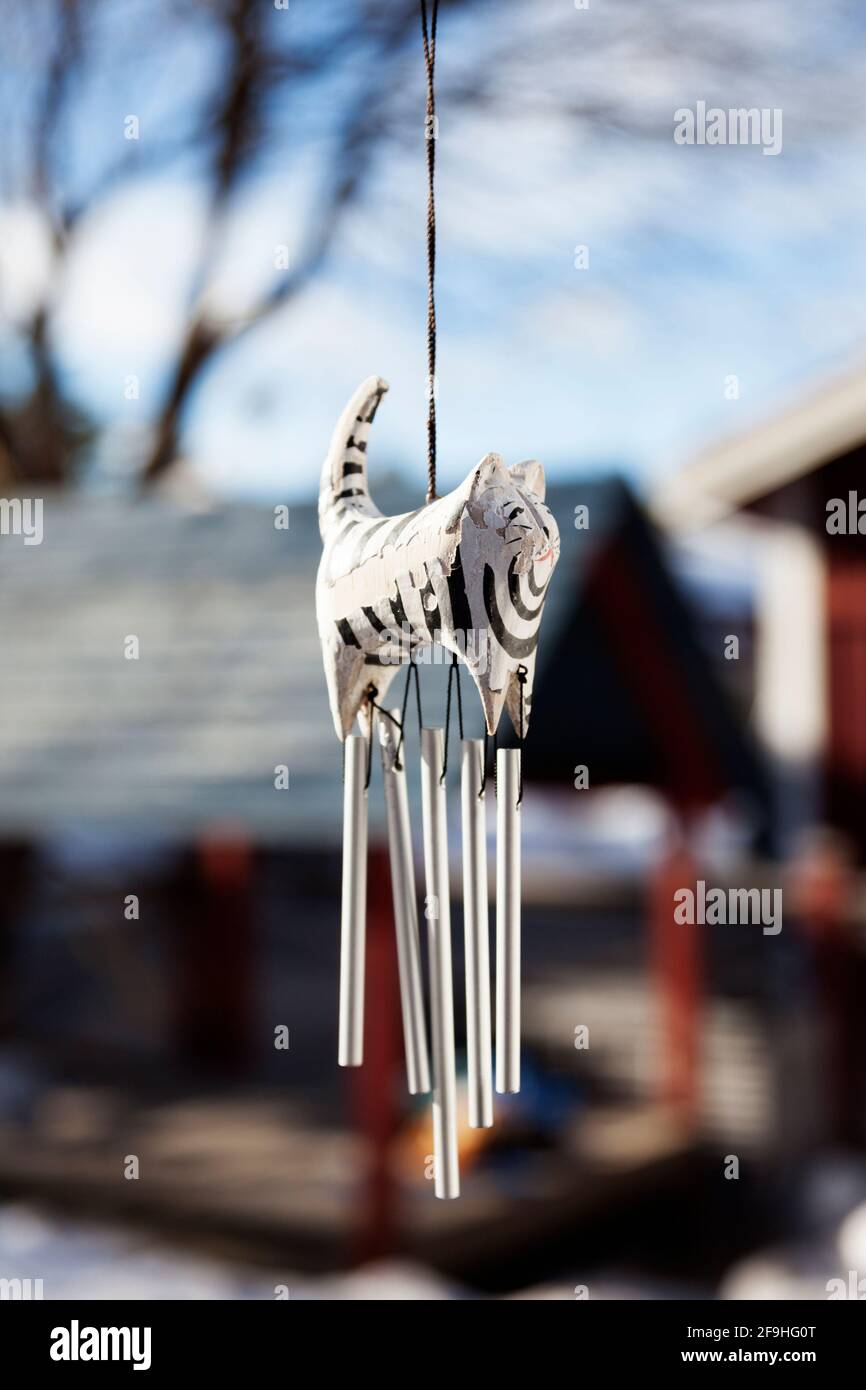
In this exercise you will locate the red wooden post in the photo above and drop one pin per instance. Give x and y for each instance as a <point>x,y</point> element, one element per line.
<point>823,885</point>
<point>845,758</point>
<point>374,1085</point>
<point>15,870</point>
<point>215,975</point>
<point>676,968</point>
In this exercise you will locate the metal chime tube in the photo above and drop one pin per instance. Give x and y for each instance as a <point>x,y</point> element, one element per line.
<point>438,912</point>
<point>476,935</point>
<point>353,927</point>
<point>405,911</point>
<point>507,920</point>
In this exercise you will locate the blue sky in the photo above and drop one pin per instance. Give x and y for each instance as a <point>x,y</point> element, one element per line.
<point>704,262</point>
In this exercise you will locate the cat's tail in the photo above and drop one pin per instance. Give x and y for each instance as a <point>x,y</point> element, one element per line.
<point>344,472</point>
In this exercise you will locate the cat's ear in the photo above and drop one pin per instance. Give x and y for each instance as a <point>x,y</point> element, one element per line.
<point>529,475</point>
<point>487,476</point>
<point>490,472</point>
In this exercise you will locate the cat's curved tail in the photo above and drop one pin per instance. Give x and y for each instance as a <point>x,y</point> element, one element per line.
<point>344,472</point>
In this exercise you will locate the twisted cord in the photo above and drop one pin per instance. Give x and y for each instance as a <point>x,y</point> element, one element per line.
<point>429,37</point>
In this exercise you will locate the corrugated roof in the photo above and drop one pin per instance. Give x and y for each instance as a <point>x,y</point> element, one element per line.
<point>226,686</point>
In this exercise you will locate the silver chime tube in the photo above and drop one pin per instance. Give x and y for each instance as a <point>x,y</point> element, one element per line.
<point>476,935</point>
<point>438,913</point>
<point>405,911</point>
<point>353,928</point>
<point>507,920</point>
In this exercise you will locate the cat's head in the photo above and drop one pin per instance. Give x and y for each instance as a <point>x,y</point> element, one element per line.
<point>509,504</point>
<point>509,545</point>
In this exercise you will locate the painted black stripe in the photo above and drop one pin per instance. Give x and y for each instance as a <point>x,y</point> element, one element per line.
<point>389,660</point>
<point>371,405</point>
<point>461,614</point>
<point>350,492</point>
<point>514,594</point>
<point>433,618</point>
<point>346,633</point>
<point>536,589</point>
<point>352,468</point>
<point>516,647</point>
<point>359,444</point>
<point>400,613</point>
<point>374,620</point>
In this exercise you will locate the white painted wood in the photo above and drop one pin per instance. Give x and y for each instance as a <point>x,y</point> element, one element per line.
<point>469,570</point>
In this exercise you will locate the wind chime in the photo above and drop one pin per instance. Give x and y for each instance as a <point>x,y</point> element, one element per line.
<point>468,571</point>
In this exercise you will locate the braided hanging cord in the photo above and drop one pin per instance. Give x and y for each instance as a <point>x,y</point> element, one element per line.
<point>429,36</point>
<point>428,32</point>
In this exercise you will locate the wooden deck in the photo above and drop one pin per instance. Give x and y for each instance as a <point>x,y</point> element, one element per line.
<point>260,1180</point>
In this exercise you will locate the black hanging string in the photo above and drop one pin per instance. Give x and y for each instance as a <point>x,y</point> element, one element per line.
<point>411,669</point>
<point>487,762</point>
<point>429,37</point>
<point>370,696</point>
<point>371,700</point>
<point>453,673</point>
<point>459,701</point>
<point>370,744</point>
<point>522,673</point>
<point>485,758</point>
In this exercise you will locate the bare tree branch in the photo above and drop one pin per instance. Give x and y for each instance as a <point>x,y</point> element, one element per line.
<point>363,125</point>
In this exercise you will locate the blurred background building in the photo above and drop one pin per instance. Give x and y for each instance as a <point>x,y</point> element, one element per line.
<point>211,228</point>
